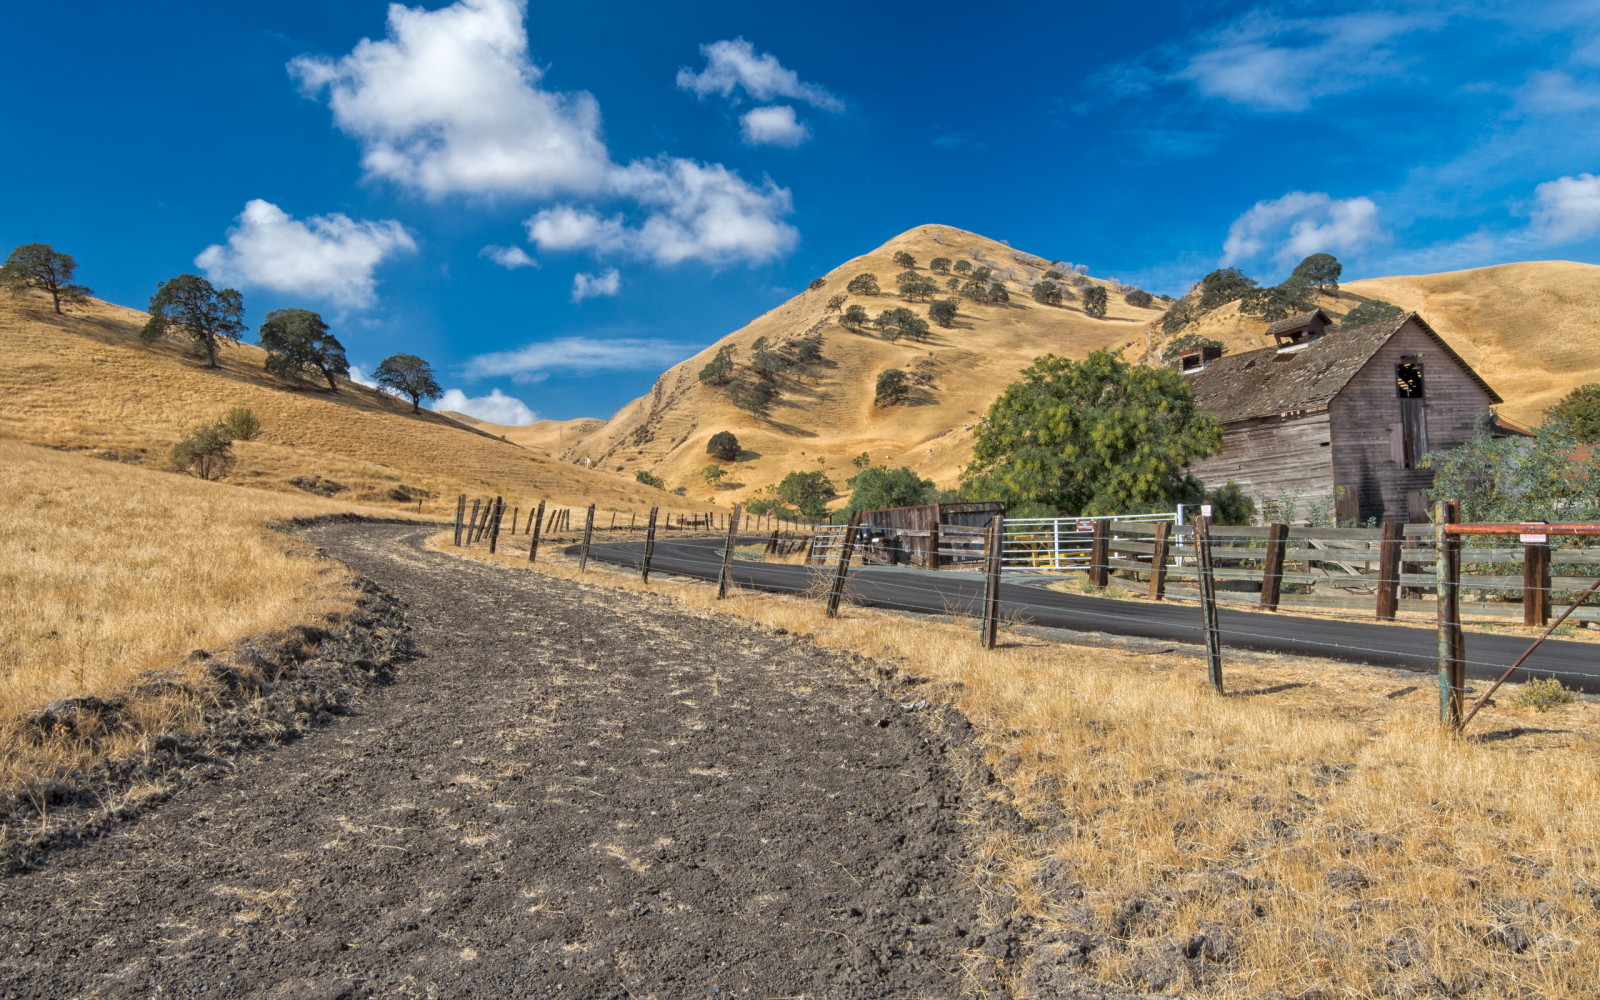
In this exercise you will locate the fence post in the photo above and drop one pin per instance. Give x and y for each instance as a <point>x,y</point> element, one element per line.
<point>1158,561</point>
<point>472,523</point>
<point>649,546</point>
<point>1389,570</point>
<point>534,527</point>
<point>588,537</point>
<point>1536,583</point>
<point>494,529</point>
<point>727,553</point>
<point>1447,574</point>
<point>1099,554</point>
<point>1272,573</point>
<point>772,543</point>
<point>1208,601</point>
<point>461,509</point>
<point>516,513</point>
<point>991,589</point>
<point>847,547</point>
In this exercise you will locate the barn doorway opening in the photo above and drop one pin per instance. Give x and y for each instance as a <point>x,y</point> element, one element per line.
<point>1413,417</point>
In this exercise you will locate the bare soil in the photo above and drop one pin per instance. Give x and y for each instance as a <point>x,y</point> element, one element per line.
<point>573,791</point>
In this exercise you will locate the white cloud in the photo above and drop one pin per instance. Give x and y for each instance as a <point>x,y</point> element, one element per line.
<point>450,103</point>
<point>1567,208</point>
<point>591,286</point>
<point>579,354</point>
<point>695,211</point>
<point>1301,223</point>
<point>773,125</point>
<point>329,257</point>
<point>496,408</point>
<point>1272,63</point>
<point>733,64</point>
<point>509,258</point>
<point>360,377</point>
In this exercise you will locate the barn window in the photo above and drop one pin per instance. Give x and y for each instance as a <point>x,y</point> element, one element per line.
<point>1413,415</point>
<point>1408,380</point>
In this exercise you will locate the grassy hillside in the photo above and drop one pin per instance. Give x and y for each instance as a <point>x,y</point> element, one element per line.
<point>552,436</point>
<point>84,381</point>
<point>827,416</point>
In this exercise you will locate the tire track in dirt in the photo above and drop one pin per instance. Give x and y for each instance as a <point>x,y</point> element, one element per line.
<point>576,792</point>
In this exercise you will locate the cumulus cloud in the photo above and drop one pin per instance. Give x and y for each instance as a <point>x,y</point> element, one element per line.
<point>582,355</point>
<point>694,211</point>
<point>328,257</point>
<point>509,258</point>
<point>1567,208</point>
<point>450,103</point>
<point>496,408</point>
<point>1301,223</point>
<point>773,125</point>
<point>360,377</point>
<point>591,286</point>
<point>733,65</point>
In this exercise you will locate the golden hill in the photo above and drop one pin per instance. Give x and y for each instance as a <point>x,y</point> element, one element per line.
<point>827,417</point>
<point>553,436</point>
<point>85,382</point>
<point>1525,327</point>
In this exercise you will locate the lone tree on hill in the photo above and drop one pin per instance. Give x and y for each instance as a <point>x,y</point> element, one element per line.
<point>863,284</point>
<point>1094,301</point>
<point>723,445</point>
<point>816,283</point>
<point>298,343</point>
<point>1097,436</point>
<point>188,304</point>
<point>940,264</point>
<point>1139,299</point>
<point>1320,269</point>
<point>905,260</point>
<point>36,265</point>
<point>944,312</point>
<point>893,387</point>
<point>410,376</point>
<point>1047,292</point>
<point>837,302</point>
<point>855,317</point>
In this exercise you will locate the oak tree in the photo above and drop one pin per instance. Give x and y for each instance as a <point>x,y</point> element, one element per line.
<point>408,375</point>
<point>189,305</point>
<point>298,343</point>
<point>37,266</point>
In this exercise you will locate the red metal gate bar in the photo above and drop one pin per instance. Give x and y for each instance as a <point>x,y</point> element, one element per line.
<point>1521,528</point>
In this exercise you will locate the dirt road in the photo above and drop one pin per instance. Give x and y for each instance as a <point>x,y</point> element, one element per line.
<point>574,792</point>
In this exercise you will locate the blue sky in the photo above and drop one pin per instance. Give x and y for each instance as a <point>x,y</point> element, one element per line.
<point>554,202</point>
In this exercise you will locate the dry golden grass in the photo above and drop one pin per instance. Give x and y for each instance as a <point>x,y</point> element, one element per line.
<point>1317,816</point>
<point>113,573</point>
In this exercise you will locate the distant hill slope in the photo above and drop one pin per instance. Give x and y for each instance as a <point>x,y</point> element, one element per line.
<point>84,382</point>
<point>827,416</point>
<point>553,436</point>
<point>1528,328</point>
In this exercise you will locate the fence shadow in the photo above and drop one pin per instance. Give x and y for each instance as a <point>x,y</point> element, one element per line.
<point>1274,689</point>
<point>1501,735</point>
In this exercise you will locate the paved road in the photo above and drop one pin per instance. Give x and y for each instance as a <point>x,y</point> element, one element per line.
<point>1577,664</point>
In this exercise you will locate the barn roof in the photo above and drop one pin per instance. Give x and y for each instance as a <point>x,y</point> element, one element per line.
<point>1297,321</point>
<point>1268,383</point>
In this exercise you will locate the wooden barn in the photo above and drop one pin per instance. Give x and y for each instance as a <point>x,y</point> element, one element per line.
<point>1342,416</point>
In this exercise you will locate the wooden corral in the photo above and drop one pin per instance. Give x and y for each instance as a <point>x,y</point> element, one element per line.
<point>911,536</point>
<point>1339,417</point>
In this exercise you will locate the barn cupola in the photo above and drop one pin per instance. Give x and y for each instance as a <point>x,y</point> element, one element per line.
<point>1295,332</point>
<point>1195,358</point>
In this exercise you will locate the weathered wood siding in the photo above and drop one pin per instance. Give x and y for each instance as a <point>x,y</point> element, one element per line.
<point>1366,424</point>
<point>1274,457</point>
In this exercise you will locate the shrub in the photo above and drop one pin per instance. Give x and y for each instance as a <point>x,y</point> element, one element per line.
<point>1542,694</point>
<point>1369,312</point>
<point>723,445</point>
<point>207,453</point>
<point>905,260</point>
<point>650,479</point>
<point>719,370</point>
<point>1580,411</point>
<point>1139,298</point>
<point>240,424</point>
<point>1094,301</point>
<point>816,283</point>
<point>893,386</point>
<point>1047,292</point>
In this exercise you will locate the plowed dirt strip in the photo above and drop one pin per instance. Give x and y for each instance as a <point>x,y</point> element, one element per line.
<point>576,792</point>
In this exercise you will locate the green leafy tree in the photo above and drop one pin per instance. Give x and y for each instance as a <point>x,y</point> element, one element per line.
<point>863,284</point>
<point>902,322</point>
<point>1139,299</point>
<point>962,267</point>
<point>893,387</point>
<point>1097,436</point>
<point>753,397</point>
<point>35,266</point>
<point>207,453</point>
<point>410,376</point>
<point>1371,311</point>
<point>998,293</point>
<point>650,479</point>
<point>975,290</point>
<point>914,286</point>
<point>240,424</point>
<point>905,260</point>
<point>808,493</point>
<point>944,312</point>
<point>1277,301</point>
<point>719,370</point>
<point>837,302</point>
<point>723,445</point>
<point>713,475</point>
<point>808,351</point>
<point>1579,410</point>
<point>982,273</point>
<point>1185,342</point>
<point>1047,292</point>
<point>768,365</point>
<point>190,306</point>
<point>1320,269</point>
<point>1178,316</point>
<point>298,343</point>
<point>940,264</point>
<point>1550,477</point>
<point>855,317</point>
<point>1094,301</point>
<point>953,284</point>
<point>1224,285</point>
<point>861,461</point>
<point>877,488</point>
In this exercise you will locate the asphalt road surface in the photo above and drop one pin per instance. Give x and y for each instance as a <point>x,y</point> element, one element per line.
<point>1576,664</point>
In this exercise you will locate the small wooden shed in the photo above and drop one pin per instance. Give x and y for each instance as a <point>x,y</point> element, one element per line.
<point>1341,416</point>
<point>910,536</point>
